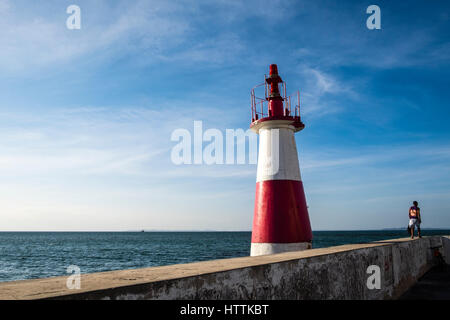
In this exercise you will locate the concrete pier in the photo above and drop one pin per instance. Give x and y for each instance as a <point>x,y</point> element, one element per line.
<point>339,272</point>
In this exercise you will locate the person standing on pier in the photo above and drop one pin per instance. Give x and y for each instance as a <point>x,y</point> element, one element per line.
<point>414,219</point>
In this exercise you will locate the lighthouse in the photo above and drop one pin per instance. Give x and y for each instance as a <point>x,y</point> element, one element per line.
<point>281,221</point>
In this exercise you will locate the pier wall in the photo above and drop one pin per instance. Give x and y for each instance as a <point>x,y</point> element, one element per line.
<point>340,272</point>
<point>446,249</point>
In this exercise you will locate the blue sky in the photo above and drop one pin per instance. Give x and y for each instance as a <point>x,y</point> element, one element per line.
<point>86,115</point>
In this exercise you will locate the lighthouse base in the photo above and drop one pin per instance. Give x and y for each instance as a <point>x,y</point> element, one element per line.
<point>260,249</point>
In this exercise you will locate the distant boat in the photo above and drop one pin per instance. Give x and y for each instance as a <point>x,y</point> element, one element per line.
<point>142,230</point>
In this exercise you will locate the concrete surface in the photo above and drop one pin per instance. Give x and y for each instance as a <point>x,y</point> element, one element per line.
<point>446,248</point>
<point>327,273</point>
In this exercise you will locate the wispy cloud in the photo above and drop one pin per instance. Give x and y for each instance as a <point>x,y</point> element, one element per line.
<point>102,140</point>
<point>39,39</point>
<point>378,155</point>
<point>152,31</point>
<point>319,90</point>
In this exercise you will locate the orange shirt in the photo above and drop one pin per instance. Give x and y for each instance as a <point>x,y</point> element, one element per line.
<point>414,212</point>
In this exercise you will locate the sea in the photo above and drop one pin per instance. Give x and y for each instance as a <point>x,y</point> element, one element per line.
<point>31,255</point>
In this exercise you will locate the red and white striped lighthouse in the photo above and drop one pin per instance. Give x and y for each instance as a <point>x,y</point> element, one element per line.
<point>281,220</point>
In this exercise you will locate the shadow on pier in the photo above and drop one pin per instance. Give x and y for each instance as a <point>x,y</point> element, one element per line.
<point>434,285</point>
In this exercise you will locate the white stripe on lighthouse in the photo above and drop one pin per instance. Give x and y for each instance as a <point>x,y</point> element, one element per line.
<point>277,157</point>
<point>260,249</point>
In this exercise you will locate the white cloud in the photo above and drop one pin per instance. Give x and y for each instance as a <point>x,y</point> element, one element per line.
<point>77,143</point>
<point>37,41</point>
<point>35,38</point>
<point>377,155</point>
<point>101,140</point>
<point>224,48</point>
<point>318,92</point>
<point>5,5</point>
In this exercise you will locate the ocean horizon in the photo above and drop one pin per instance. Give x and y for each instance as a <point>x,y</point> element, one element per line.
<point>41,254</point>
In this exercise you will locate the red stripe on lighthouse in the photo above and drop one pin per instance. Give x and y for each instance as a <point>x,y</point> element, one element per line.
<point>280,214</point>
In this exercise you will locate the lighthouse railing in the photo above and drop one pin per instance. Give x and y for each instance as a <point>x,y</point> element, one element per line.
<point>259,105</point>
<point>293,99</point>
